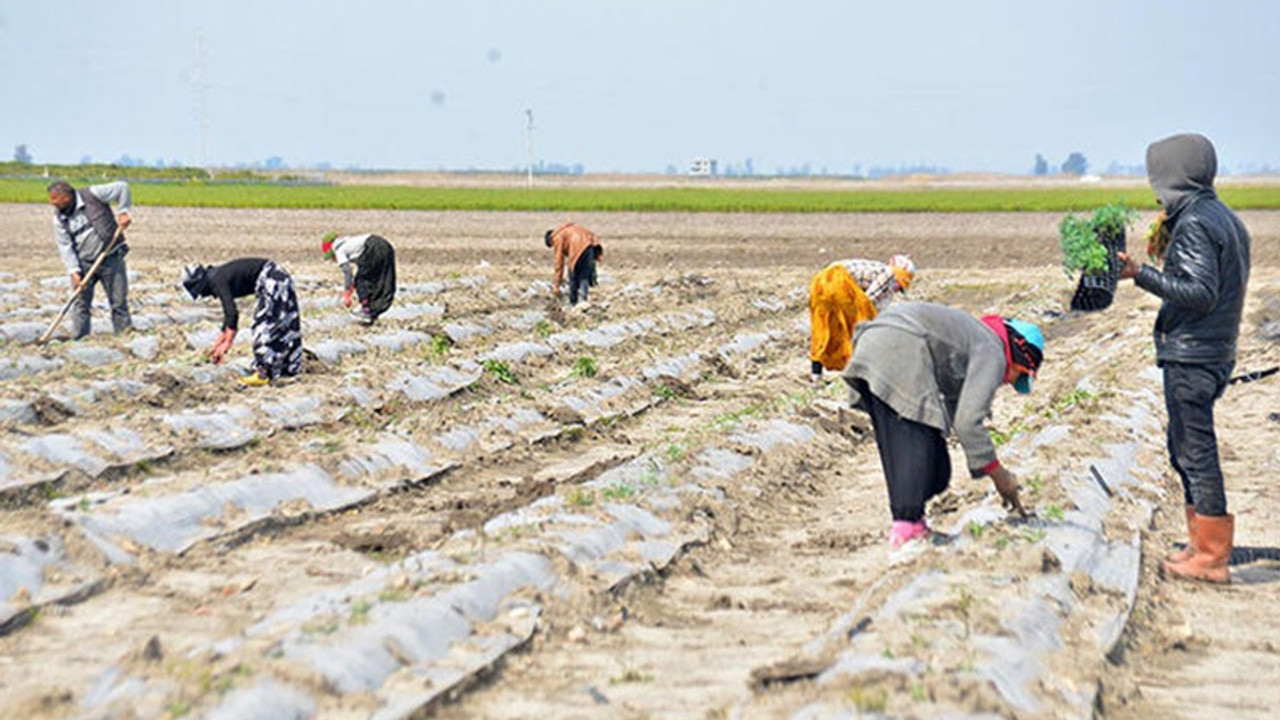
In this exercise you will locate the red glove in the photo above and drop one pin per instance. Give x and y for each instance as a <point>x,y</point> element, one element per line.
<point>346,296</point>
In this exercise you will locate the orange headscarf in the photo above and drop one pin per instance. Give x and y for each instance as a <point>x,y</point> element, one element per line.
<point>836,306</point>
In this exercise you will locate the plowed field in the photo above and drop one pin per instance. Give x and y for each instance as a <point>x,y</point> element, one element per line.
<point>491,505</point>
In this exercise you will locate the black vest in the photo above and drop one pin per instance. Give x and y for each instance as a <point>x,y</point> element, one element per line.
<point>101,219</point>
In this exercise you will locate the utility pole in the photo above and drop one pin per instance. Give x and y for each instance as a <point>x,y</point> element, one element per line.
<point>202,110</point>
<point>529,142</point>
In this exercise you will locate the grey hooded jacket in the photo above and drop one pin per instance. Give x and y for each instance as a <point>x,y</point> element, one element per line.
<point>1206,266</point>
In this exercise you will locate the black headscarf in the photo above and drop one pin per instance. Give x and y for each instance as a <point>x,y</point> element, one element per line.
<point>196,280</point>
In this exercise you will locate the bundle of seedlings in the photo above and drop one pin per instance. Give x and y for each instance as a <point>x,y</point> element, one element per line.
<point>1089,247</point>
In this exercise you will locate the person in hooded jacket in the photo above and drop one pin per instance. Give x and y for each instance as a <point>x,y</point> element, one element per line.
<point>922,370</point>
<point>277,325</point>
<point>1204,249</point>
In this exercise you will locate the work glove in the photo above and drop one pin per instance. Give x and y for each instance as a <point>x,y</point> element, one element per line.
<point>346,296</point>
<point>1007,485</point>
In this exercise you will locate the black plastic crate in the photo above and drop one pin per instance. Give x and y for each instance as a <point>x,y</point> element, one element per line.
<point>1096,291</point>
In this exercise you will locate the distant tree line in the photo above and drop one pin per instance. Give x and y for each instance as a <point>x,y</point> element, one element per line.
<point>1075,164</point>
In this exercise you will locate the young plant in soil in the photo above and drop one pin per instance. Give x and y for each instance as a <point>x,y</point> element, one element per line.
<point>500,371</point>
<point>585,367</point>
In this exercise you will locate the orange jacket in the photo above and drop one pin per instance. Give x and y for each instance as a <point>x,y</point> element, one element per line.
<point>569,241</point>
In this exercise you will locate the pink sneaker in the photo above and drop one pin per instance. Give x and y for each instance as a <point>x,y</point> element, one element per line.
<point>903,531</point>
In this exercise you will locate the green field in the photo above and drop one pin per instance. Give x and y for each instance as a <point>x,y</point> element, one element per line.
<point>694,199</point>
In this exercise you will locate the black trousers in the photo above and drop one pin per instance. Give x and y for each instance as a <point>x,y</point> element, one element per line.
<point>581,275</point>
<point>1190,392</point>
<point>914,457</point>
<point>376,275</point>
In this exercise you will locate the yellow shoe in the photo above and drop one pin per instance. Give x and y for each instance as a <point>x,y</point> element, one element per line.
<point>254,380</point>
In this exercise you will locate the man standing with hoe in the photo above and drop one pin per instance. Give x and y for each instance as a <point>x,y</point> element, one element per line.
<point>1205,251</point>
<point>85,230</point>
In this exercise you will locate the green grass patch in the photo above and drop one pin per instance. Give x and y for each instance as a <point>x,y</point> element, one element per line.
<point>204,193</point>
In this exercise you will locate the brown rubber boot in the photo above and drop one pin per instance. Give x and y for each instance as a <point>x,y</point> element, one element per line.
<point>1213,540</point>
<point>1185,554</point>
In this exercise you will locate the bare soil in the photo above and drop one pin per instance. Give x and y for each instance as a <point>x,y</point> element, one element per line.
<point>775,559</point>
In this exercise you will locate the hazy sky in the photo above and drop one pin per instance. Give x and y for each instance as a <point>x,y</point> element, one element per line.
<point>638,85</point>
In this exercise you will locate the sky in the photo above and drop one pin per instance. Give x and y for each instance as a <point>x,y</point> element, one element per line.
<point>638,86</point>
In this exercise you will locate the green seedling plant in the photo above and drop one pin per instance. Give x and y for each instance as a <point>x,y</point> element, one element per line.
<point>621,491</point>
<point>585,367</point>
<point>438,347</point>
<point>580,497</point>
<point>542,329</point>
<point>1078,397</point>
<point>500,371</point>
<point>1111,220</point>
<point>1000,437</point>
<point>631,675</point>
<point>1082,251</point>
<point>360,612</point>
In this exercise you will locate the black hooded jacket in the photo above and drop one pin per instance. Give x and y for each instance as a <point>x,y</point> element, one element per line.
<point>1206,267</point>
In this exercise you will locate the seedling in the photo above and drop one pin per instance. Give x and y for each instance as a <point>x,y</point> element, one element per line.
<point>870,701</point>
<point>965,605</point>
<point>585,367</point>
<point>542,329</point>
<point>438,346</point>
<point>1078,237</point>
<point>631,675</point>
<point>500,371</point>
<point>360,612</point>
<point>1000,437</point>
<point>621,491</point>
<point>579,497</point>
